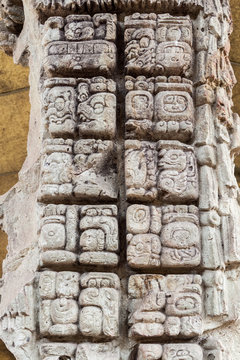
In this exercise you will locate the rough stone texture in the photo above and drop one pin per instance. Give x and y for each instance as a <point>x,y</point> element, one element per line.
<point>66,200</point>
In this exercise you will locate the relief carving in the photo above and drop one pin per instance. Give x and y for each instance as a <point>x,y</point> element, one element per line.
<point>169,352</point>
<point>86,105</point>
<point>159,108</point>
<point>86,351</point>
<point>165,236</point>
<point>140,170</point>
<point>82,42</point>
<point>18,325</point>
<point>97,108</point>
<point>72,303</point>
<point>59,103</point>
<point>50,7</point>
<point>82,169</point>
<point>160,305</point>
<point>178,175</point>
<point>182,199</point>
<point>99,300</point>
<point>99,235</point>
<point>56,171</point>
<point>95,170</point>
<point>174,178</point>
<point>79,234</point>
<point>174,110</point>
<point>174,50</point>
<point>158,44</point>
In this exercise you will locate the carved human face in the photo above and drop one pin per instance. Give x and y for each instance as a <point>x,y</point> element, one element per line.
<point>92,240</point>
<point>59,103</point>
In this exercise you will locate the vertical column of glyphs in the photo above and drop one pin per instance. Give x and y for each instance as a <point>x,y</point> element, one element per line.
<point>79,167</point>
<point>217,141</point>
<point>162,186</point>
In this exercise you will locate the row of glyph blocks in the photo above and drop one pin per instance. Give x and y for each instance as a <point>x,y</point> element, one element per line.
<point>156,108</point>
<point>167,236</point>
<point>155,44</point>
<point>89,305</point>
<point>50,7</point>
<point>111,351</point>
<point>87,169</point>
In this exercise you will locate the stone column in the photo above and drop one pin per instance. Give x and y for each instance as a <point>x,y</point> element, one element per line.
<point>124,234</point>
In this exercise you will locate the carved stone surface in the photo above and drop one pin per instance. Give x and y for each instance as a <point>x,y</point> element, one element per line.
<point>82,169</point>
<point>84,105</point>
<point>88,351</point>
<point>158,44</point>
<point>163,236</point>
<point>95,313</point>
<point>71,234</point>
<point>79,43</point>
<point>160,108</point>
<point>170,305</point>
<point>169,352</point>
<point>166,169</point>
<point>124,226</point>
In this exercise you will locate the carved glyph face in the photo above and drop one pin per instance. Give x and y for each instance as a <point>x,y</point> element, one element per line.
<point>139,105</point>
<point>173,159</point>
<point>56,168</point>
<point>92,240</point>
<point>143,250</point>
<point>175,103</point>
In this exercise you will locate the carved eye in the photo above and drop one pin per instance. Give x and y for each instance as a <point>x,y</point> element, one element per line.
<point>98,108</point>
<point>174,157</point>
<point>51,233</point>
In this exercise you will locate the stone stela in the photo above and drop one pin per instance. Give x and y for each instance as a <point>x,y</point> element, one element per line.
<point>123,229</point>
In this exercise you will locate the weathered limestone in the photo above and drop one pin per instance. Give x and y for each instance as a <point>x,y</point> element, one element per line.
<point>150,147</point>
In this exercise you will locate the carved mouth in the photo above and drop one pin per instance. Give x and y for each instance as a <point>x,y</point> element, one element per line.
<point>83,118</point>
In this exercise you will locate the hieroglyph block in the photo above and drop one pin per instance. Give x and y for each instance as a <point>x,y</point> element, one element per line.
<point>86,106</point>
<point>83,169</point>
<point>72,303</point>
<point>165,170</point>
<point>79,234</point>
<point>159,108</point>
<point>80,43</point>
<point>169,352</point>
<point>86,351</point>
<point>158,44</point>
<point>167,236</point>
<point>165,305</point>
